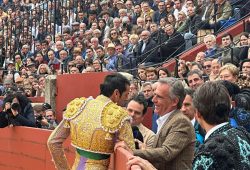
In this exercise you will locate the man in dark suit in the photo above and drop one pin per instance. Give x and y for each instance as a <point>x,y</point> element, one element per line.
<point>188,109</point>
<point>174,43</point>
<point>173,146</point>
<point>192,26</point>
<point>146,52</point>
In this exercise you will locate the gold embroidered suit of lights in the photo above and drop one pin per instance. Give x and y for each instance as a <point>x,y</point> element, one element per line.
<point>100,120</point>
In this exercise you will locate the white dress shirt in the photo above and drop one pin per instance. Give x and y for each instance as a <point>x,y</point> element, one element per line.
<point>193,121</point>
<point>214,129</point>
<point>161,120</point>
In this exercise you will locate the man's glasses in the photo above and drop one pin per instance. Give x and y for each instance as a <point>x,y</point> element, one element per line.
<point>207,66</point>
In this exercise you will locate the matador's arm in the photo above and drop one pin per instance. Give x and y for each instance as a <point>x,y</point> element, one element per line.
<point>55,141</point>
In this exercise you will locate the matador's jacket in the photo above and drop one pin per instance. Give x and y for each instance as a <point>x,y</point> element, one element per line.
<point>94,126</point>
<point>226,148</point>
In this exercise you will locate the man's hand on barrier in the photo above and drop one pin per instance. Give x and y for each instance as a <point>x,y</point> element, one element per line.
<point>123,145</point>
<point>142,163</point>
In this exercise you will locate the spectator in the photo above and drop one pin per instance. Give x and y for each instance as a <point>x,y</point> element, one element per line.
<point>54,63</point>
<point>207,66</point>
<point>188,109</point>
<point>147,91</point>
<point>137,108</point>
<point>146,52</point>
<point>229,72</point>
<point>168,98</point>
<point>181,22</point>
<point>213,51</point>
<point>17,111</point>
<point>175,43</point>
<point>142,73</point>
<point>133,90</point>
<point>215,68</point>
<point>195,79</point>
<point>151,74</point>
<point>179,6</point>
<point>159,14</point>
<point>111,61</point>
<point>192,26</point>
<point>49,121</point>
<point>163,72</point>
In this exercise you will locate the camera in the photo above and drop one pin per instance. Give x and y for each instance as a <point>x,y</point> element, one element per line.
<point>39,118</point>
<point>15,106</point>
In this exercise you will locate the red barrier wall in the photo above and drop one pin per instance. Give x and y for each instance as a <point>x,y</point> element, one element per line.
<point>147,121</point>
<point>26,148</point>
<point>78,85</point>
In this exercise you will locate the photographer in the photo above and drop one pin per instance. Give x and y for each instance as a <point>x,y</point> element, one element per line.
<point>17,111</point>
<point>49,121</point>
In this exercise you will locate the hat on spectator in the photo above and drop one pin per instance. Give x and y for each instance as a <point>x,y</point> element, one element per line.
<point>19,80</point>
<point>75,23</point>
<point>46,106</point>
<point>31,64</point>
<point>104,2</point>
<point>120,2</point>
<point>111,45</point>
<point>7,81</point>
<point>25,46</point>
<point>10,62</point>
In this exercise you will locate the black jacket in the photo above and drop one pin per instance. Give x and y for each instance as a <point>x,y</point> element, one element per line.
<point>174,45</point>
<point>24,118</point>
<point>146,56</point>
<point>193,24</point>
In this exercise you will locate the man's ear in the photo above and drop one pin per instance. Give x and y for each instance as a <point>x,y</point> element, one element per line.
<point>175,101</point>
<point>197,115</point>
<point>115,96</point>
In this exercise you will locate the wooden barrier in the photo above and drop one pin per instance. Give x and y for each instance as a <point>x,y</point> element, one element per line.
<point>26,148</point>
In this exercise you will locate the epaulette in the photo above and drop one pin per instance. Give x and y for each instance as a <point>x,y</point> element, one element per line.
<point>74,108</point>
<point>113,117</point>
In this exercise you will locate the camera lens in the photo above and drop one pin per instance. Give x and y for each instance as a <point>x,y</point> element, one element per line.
<point>15,106</point>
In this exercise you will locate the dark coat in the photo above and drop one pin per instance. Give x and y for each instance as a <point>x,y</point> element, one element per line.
<point>193,24</point>
<point>148,54</point>
<point>174,45</point>
<point>24,118</point>
<point>158,16</point>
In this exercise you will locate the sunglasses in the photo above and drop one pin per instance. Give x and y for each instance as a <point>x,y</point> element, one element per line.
<point>207,66</point>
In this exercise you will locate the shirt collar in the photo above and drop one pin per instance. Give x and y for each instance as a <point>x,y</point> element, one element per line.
<point>161,120</point>
<point>193,121</point>
<point>214,129</point>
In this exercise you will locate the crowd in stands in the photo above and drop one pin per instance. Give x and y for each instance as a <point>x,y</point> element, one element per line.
<point>40,38</point>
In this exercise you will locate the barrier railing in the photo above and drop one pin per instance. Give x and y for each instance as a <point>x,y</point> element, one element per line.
<point>26,148</point>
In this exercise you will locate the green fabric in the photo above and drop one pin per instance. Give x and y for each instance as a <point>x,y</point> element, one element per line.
<point>91,155</point>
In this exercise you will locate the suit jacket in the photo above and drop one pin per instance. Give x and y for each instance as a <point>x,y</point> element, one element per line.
<point>149,56</point>
<point>175,44</point>
<point>148,135</point>
<point>173,146</point>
